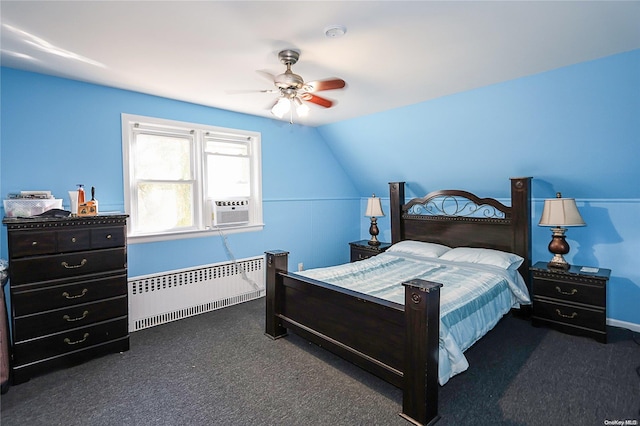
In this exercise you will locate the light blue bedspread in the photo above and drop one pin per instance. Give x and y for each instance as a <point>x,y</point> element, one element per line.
<point>472,300</point>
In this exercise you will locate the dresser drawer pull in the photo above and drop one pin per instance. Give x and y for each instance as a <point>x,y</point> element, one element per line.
<point>66,265</point>
<point>108,236</point>
<point>568,293</point>
<point>68,318</point>
<point>35,243</point>
<point>73,239</point>
<point>69,342</point>
<point>68,296</point>
<point>572,316</point>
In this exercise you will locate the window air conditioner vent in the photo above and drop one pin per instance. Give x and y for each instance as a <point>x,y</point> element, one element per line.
<point>229,212</point>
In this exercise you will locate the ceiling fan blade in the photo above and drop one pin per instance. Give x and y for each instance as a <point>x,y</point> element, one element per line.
<point>323,102</point>
<point>328,84</point>
<point>240,92</point>
<point>267,75</point>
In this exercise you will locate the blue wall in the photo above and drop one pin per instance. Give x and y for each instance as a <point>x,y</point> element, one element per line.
<point>575,130</point>
<point>58,132</point>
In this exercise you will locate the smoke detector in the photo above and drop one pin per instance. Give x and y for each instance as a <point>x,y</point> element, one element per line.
<point>335,31</point>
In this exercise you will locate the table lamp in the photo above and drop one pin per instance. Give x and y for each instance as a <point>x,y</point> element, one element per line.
<point>560,213</point>
<point>374,210</point>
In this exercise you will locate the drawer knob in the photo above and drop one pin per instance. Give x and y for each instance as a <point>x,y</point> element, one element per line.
<point>67,266</point>
<point>108,236</point>
<point>68,296</point>
<point>73,239</point>
<point>35,243</point>
<point>68,318</point>
<point>69,342</point>
<point>572,316</point>
<point>568,293</point>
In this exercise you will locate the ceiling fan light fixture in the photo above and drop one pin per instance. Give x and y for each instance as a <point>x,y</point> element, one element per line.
<point>301,109</point>
<point>281,107</point>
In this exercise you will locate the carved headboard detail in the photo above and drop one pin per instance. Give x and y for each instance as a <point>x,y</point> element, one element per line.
<point>459,218</point>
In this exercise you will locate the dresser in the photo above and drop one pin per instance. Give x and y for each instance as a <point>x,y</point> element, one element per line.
<point>572,301</point>
<point>362,250</point>
<point>68,290</point>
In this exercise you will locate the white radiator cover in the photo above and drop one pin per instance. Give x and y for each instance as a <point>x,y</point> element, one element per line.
<point>173,295</point>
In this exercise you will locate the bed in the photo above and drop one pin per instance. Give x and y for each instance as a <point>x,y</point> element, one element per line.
<point>399,335</point>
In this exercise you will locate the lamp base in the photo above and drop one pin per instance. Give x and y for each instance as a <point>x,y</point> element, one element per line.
<point>555,265</point>
<point>558,246</point>
<point>558,262</point>
<point>374,231</point>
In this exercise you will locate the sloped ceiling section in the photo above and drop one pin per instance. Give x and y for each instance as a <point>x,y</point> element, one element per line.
<point>393,54</point>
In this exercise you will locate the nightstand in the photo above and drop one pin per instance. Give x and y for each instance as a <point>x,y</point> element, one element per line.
<point>362,250</point>
<point>572,301</point>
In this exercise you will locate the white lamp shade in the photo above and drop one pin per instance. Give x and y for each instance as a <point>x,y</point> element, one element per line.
<point>301,109</point>
<point>281,107</point>
<point>374,207</point>
<point>561,212</point>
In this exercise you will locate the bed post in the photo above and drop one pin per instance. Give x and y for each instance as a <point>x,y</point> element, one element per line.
<point>521,217</point>
<point>396,201</point>
<point>422,329</point>
<point>277,261</point>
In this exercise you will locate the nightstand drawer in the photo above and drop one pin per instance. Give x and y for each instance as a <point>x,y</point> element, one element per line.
<point>592,319</point>
<point>568,291</point>
<point>361,254</point>
<point>361,250</point>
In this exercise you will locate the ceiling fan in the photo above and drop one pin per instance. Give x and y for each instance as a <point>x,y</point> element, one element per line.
<point>294,91</point>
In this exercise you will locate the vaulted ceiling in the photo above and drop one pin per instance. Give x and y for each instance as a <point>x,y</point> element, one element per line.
<point>392,54</point>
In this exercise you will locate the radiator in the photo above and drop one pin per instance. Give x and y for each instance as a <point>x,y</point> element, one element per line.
<point>173,295</point>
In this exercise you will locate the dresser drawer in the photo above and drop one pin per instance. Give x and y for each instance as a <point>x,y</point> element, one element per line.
<point>70,340</point>
<point>30,301</point>
<point>568,291</point>
<point>593,319</point>
<point>73,240</point>
<point>28,243</point>
<point>108,237</point>
<point>44,268</point>
<point>32,326</point>
<point>34,243</point>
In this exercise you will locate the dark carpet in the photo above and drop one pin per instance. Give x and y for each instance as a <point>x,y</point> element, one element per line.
<point>220,369</point>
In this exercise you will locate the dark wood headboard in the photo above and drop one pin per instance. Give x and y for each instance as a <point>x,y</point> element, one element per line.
<point>459,218</point>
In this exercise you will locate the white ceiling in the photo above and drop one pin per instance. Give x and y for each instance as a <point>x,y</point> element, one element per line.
<point>393,54</point>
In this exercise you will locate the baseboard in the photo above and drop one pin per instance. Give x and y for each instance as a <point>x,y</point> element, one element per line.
<point>624,324</point>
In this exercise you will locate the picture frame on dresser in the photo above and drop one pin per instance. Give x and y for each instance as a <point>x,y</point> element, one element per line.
<point>68,291</point>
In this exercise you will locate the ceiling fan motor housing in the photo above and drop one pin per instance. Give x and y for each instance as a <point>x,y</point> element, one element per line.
<point>289,57</point>
<point>289,80</point>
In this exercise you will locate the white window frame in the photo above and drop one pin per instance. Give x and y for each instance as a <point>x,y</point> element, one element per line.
<point>202,226</point>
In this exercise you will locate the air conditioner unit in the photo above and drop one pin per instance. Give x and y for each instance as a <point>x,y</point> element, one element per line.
<point>229,212</point>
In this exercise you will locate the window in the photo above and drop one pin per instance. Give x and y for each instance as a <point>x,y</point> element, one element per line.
<point>176,173</point>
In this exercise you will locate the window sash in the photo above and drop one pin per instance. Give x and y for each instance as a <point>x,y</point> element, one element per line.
<point>208,147</point>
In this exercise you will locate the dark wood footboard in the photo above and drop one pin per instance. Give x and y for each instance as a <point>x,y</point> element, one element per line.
<point>398,344</point>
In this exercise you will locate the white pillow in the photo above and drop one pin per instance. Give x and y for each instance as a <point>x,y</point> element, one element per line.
<point>419,248</point>
<point>483,256</point>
